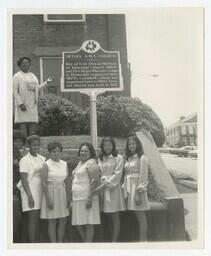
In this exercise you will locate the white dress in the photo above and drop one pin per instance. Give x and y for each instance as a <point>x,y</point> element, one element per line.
<point>32,165</point>
<point>57,173</point>
<point>25,91</point>
<point>111,169</point>
<point>136,178</point>
<point>80,192</point>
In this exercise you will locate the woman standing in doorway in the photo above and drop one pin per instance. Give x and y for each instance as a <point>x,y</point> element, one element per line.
<point>111,167</point>
<point>85,204</point>
<point>30,186</point>
<point>55,201</point>
<point>135,183</point>
<point>26,90</point>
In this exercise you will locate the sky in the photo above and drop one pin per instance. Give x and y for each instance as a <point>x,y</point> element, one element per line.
<point>167,42</point>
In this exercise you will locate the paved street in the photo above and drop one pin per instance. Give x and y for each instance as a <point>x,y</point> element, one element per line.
<point>185,165</point>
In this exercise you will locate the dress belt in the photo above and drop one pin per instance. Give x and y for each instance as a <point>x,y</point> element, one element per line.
<point>107,193</point>
<point>127,183</point>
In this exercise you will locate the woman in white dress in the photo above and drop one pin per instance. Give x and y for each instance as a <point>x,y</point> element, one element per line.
<point>25,90</point>
<point>111,168</point>
<point>135,183</point>
<point>55,201</point>
<point>85,203</point>
<point>30,186</point>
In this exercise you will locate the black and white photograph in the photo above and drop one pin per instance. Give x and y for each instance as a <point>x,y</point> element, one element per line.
<point>106,127</point>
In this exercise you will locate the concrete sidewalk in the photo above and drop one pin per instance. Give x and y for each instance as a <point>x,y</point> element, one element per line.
<point>191,218</point>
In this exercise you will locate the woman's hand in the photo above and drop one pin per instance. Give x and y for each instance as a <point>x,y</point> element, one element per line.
<point>49,79</point>
<point>23,107</point>
<point>30,201</point>
<point>50,203</point>
<point>109,185</point>
<point>138,200</point>
<point>89,203</point>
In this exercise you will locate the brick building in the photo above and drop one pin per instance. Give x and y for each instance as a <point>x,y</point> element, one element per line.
<point>42,38</point>
<point>183,132</point>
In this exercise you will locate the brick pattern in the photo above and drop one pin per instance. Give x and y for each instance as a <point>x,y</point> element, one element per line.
<point>30,32</point>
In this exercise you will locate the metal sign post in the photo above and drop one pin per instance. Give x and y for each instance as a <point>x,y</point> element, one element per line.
<point>91,70</point>
<point>93,116</point>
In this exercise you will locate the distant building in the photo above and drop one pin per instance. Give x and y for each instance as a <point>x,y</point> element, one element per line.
<point>43,38</point>
<point>183,132</point>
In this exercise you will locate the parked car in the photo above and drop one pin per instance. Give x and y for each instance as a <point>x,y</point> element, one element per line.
<point>183,151</point>
<point>193,153</point>
<point>164,150</point>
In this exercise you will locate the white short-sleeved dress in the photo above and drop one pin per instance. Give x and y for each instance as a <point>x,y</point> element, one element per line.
<point>136,178</point>
<point>57,173</point>
<point>25,91</point>
<point>80,192</point>
<point>111,168</point>
<point>32,165</point>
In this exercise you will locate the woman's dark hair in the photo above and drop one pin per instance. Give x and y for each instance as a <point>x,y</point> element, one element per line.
<point>139,148</point>
<point>19,62</point>
<point>33,138</point>
<point>19,135</point>
<point>54,145</point>
<point>113,152</point>
<point>91,150</point>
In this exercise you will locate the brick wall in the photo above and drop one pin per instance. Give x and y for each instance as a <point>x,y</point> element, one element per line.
<point>30,32</point>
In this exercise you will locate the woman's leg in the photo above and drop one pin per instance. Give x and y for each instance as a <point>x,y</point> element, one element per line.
<point>52,230</point>
<point>16,219</point>
<point>81,232</point>
<point>109,226</point>
<point>61,229</point>
<point>23,128</point>
<point>142,223</point>
<point>32,128</point>
<point>115,226</point>
<point>89,233</point>
<point>33,225</point>
<point>24,228</point>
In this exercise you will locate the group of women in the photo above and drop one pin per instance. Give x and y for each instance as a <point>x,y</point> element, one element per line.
<point>108,182</point>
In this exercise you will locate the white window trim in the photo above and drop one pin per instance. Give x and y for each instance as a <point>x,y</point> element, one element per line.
<point>64,21</point>
<point>183,130</point>
<point>41,65</point>
<point>191,129</point>
<point>41,69</point>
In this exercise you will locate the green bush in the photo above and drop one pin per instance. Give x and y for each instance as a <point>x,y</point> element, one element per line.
<point>154,192</point>
<point>58,116</point>
<point>116,116</point>
<point>121,116</point>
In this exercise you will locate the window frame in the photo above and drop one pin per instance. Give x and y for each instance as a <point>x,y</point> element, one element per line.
<point>41,64</point>
<point>41,70</point>
<point>46,20</point>
<point>183,130</point>
<point>191,129</point>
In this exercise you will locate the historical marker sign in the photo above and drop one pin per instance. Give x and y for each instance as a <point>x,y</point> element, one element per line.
<point>91,68</point>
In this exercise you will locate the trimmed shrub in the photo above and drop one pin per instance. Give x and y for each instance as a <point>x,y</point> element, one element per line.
<point>116,116</point>
<point>154,192</point>
<point>121,116</point>
<point>58,116</point>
